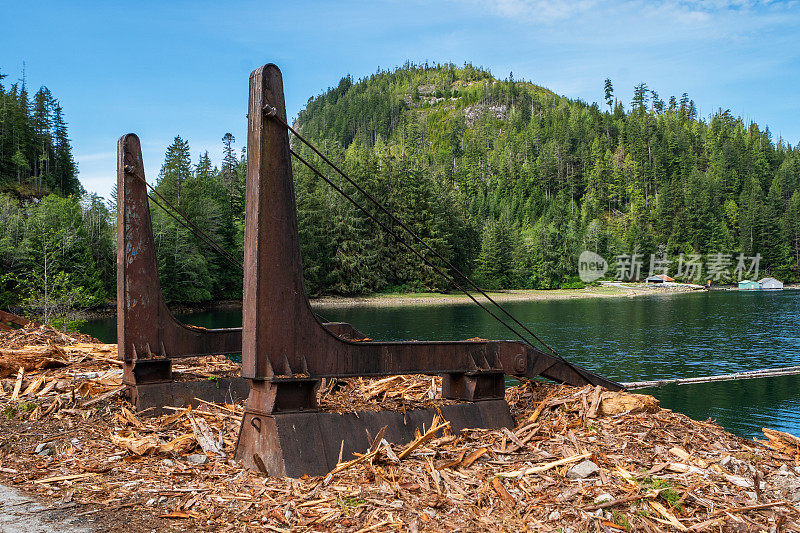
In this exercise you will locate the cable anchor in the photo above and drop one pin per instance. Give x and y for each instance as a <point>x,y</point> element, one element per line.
<point>270,111</point>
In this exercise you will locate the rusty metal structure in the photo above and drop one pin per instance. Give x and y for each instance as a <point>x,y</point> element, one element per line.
<point>286,349</point>
<point>150,339</point>
<point>148,336</point>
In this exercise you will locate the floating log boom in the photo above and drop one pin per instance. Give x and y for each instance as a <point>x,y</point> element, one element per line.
<point>747,374</point>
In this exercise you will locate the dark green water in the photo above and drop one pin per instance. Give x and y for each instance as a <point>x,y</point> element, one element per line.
<point>627,339</point>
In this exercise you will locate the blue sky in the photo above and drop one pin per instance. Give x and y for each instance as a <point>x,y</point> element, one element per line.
<point>170,68</point>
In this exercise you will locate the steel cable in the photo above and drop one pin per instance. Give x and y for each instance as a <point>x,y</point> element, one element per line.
<point>197,231</point>
<point>272,113</point>
<point>411,248</point>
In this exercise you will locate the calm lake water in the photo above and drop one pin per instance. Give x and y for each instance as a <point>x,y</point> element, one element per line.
<point>626,339</point>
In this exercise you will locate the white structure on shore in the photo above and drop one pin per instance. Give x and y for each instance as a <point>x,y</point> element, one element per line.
<point>770,284</point>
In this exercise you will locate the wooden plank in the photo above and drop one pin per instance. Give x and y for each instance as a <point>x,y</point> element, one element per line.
<point>65,478</point>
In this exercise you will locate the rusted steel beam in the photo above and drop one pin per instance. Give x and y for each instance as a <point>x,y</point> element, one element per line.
<point>286,350</point>
<point>145,326</point>
<point>148,336</point>
<point>282,337</point>
<point>297,443</point>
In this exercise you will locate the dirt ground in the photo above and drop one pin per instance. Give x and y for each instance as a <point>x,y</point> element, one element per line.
<point>578,459</point>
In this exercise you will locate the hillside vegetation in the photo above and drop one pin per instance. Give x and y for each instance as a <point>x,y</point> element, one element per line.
<point>56,248</point>
<point>35,152</point>
<point>512,182</point>
<point>507,180</point>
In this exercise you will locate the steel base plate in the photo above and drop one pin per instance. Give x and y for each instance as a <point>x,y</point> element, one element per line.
<point>155,396</point>
<point>297,443</point>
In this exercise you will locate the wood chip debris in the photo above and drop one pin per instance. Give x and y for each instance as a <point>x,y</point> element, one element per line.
<point>70,438</point>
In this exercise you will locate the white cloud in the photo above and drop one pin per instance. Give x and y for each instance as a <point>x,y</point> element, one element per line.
<point>690,12</point>
<point>540,10</point>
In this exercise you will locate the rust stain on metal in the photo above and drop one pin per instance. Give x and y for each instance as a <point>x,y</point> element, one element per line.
<point>286,350</point>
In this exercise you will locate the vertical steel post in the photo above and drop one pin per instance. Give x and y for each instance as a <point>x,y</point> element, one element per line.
<point>277,318</point>
<point>148,336</point>
<point>139,303</point>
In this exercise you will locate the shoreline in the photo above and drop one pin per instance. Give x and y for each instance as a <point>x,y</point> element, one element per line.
<point>608,290</point>
<point>621,290</point>
<point>626,290</point>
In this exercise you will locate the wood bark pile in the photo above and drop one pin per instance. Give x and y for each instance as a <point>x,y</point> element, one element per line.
<point>578,460</point>
<point>30,358</point>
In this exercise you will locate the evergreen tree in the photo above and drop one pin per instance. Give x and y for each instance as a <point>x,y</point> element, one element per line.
<point>609,93</point>
<point>229,160</point>
<point>177,168</point>
<point>496,267</point>
<point>639,96</point>
<point>65,171</point>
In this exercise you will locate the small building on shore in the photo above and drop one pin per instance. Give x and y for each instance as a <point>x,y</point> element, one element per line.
<point>659,278</point>
<point>770,284</point>
<point>749,285</point>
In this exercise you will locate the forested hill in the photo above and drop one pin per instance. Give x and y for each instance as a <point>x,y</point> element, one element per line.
<point>507,180</point>
<point>512,182</point>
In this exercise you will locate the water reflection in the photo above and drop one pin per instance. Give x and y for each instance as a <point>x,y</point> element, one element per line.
<point>743,407</point>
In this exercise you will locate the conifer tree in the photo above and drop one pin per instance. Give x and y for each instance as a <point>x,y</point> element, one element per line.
<point>177,168</point>
<point>639,96</point>
<point>609,93</point>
